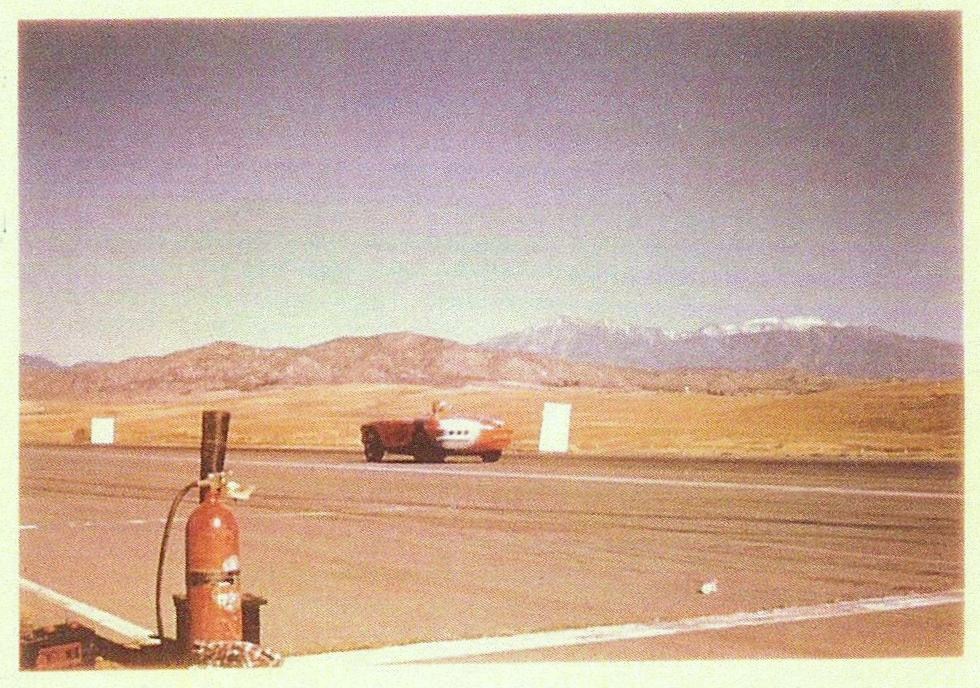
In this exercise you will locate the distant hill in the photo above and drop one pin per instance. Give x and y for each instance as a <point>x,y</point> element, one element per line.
<point>403,358</point>
<point>803,343</point>
<point>38,362</point>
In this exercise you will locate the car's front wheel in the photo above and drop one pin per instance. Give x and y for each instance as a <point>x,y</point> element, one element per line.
<point>490,457</point>
<point>374,448</point>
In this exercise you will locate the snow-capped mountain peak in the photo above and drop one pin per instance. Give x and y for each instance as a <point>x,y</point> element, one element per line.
<point>569,324</point>
<point>796,323</point>
<point>802,342</point>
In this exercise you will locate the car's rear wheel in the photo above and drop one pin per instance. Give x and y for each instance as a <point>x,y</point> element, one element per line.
<point>490,457</point>
<point>374,448</point>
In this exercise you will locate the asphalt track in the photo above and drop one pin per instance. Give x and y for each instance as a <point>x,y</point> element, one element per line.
<point>531,558</point>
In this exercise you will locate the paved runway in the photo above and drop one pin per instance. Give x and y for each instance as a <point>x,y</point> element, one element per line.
<point>356,556</point>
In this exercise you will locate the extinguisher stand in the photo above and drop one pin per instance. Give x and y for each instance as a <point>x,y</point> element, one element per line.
<point>251,619</point>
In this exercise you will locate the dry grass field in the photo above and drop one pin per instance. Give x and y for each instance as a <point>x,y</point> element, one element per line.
<point>888,418</point>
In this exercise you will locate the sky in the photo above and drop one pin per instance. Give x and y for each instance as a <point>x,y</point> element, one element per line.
<point>286,182</point>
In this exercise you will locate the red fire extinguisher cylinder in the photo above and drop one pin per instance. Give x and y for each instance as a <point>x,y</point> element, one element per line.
<point>214,596</point>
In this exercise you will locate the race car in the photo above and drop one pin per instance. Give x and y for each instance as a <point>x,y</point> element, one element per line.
<point>436,436</point>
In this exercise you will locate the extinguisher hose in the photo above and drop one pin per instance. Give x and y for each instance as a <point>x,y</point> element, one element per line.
<point>163,550</point>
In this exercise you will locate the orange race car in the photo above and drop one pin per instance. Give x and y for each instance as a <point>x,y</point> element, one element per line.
<point>436,436</point>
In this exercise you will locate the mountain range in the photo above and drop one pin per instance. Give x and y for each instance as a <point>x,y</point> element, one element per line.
<point>792,354</point>
<point>396,358</point>
<point>803,343</point>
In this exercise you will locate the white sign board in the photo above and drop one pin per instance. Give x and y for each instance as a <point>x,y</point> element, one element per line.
<point>556,419</point>
<point>103,430</point>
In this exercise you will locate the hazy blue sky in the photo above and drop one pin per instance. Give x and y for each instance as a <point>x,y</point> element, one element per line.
<point>286,182</point>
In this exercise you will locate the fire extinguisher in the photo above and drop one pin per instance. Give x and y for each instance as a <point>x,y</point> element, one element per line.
<point>214,596</point>
<point>212,568</point>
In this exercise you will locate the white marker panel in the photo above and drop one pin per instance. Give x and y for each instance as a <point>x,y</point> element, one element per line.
<point>103,430</point>
<point>556,420</point>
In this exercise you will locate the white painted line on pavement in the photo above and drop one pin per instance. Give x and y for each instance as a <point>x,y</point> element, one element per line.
<point>97,616</point>
<point>93,524</point>
<point>451,649</point>
<point>115,523</point>
<point>609,479</point>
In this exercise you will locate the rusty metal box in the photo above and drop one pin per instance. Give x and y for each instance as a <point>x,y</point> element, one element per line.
<point>64,646</point>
